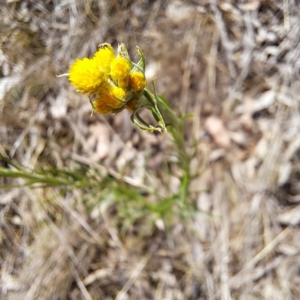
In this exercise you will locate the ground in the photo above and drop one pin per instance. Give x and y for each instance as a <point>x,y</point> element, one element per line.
<point>109,211</point>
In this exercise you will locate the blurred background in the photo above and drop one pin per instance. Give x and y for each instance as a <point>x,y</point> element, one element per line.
<point>115,212</point>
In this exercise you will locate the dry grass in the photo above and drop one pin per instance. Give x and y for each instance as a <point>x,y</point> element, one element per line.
<point>235,66</point>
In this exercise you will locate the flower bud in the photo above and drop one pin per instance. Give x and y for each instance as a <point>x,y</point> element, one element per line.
<point>119,71</point>
<point>137,81</point>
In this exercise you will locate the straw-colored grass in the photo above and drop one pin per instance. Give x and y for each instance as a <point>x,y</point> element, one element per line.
<point>93,208</point>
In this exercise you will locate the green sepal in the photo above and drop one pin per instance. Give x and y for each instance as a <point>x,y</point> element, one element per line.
<point>122,51</point>
<point>142,61</point>
<point>187,116</point>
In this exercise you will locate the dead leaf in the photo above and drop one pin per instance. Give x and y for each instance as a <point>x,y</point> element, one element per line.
<point>262,102</point>
<point>290,217</point>
<point>99,138</point>
<point>178,12</point>
<point>251,6</point>
<point>262,148</point>
<point>284,173</point>
<point>58,108</point>
<point>218,132</point>
<point>97,275</point>
<point>239,138</point>
<point>292,149</point>
<point>287,249</point>
<point>216,154</point>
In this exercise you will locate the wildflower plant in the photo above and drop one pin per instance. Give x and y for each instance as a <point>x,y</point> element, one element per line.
<point>113,82</point>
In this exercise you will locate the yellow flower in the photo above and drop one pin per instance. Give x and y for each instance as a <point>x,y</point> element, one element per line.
<point>104,56</point>
<point>107,80</point>
<point>120,69</point>
<point>105,103</point>
<point>86,76</point>
<point>137,81</point>
<point>119,93</point>
<point>102,108</point>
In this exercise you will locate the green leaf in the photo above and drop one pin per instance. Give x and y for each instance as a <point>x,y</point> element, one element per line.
<point>186,116</point>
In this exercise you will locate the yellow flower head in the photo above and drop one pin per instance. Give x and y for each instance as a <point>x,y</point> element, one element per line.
<point>117,92</point>
<point>107,103</point>
<point>86,76</point>
<point>137,81</point>
<point>108,80</point>
<point>102,108</point>
<point>104,56</point>
<point>119,71</point>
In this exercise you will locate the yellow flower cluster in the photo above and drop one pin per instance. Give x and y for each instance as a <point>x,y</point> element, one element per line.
<point>112,81</point>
